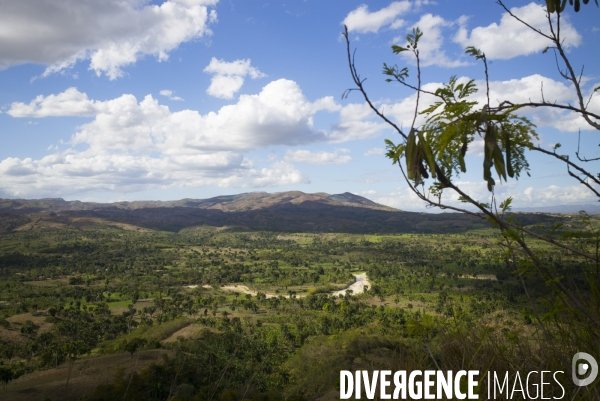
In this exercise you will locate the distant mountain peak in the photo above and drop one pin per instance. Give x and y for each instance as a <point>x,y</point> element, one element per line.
<point>226,203</point>
<point>261,200</point>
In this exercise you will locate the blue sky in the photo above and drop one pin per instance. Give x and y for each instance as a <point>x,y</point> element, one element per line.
<point>128,100</point>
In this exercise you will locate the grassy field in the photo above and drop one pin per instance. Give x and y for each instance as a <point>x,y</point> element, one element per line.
<point>107,287</point>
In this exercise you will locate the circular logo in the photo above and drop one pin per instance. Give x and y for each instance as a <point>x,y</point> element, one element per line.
<point>589,368</point>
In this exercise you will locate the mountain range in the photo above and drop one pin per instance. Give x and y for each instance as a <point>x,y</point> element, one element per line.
<point>562,209</point>
<point>292,211</point>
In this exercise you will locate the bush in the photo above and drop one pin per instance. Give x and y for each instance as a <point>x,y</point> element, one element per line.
<point>75,280</point>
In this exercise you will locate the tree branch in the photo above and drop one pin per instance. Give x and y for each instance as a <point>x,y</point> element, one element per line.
<point>569,163</point>
<point>360,87</point>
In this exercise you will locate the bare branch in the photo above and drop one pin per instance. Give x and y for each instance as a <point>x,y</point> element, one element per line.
<point>569,163</point>
<point>416,52</point>
<point>571,76</point>
<point>508,105</point>
<point>577,153</point>
<point>360,87</point>
<point>523,22</point>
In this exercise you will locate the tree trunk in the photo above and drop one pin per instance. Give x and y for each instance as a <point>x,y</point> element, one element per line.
<point>70,369</point>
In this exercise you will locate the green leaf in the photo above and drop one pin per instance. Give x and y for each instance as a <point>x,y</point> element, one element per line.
<point>413,38</point>
<point>394,152</point>
<point>511,234</point>
<point>398,49</point>
<point>475,52</point>
<point>432,108</point>
<point>505,205</point>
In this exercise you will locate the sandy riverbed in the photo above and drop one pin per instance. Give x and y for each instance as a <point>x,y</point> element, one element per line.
<point>358,287</point>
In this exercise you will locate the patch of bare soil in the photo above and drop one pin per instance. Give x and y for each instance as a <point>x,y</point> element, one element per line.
<point>358,287</point>
<point>188,332</point>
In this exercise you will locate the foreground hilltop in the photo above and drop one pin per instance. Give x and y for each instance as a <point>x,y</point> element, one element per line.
<point>292,211</point>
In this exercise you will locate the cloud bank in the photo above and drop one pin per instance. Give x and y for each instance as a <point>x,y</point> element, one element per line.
<point>111,34</point>
<point>132,145</point>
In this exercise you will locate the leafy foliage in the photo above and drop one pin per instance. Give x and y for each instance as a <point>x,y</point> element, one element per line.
<point>453,122</point>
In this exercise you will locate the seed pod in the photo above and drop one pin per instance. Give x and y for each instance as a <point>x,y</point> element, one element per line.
<point>411,156</point>
<point>463,152</point>
<point>426,151</point>
<point>507,146</point>
<point>488,156</point>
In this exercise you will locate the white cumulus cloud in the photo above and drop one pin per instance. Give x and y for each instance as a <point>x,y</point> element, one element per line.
<point>356,122</point>
<point>68,103</point>
<point>375,151</point>
<point>554,195</point>
<point>278,174</point>
<point>132,145</point>
<point>306,156</point>
<point>361,20</point>
<point>431,44</point>
<point>228,77</point>
<point>111,33</point>
<point>510,38</point>
<point>279,115</point>
<point>169,94</point>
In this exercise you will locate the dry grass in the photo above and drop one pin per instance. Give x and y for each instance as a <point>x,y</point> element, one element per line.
<point>16,321</point>
<point>41,225</point>
<point>189,332</point>
<point>88,373</point>
<point>61,223</point>
<point>90,221</point>
<point>48,282</point>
